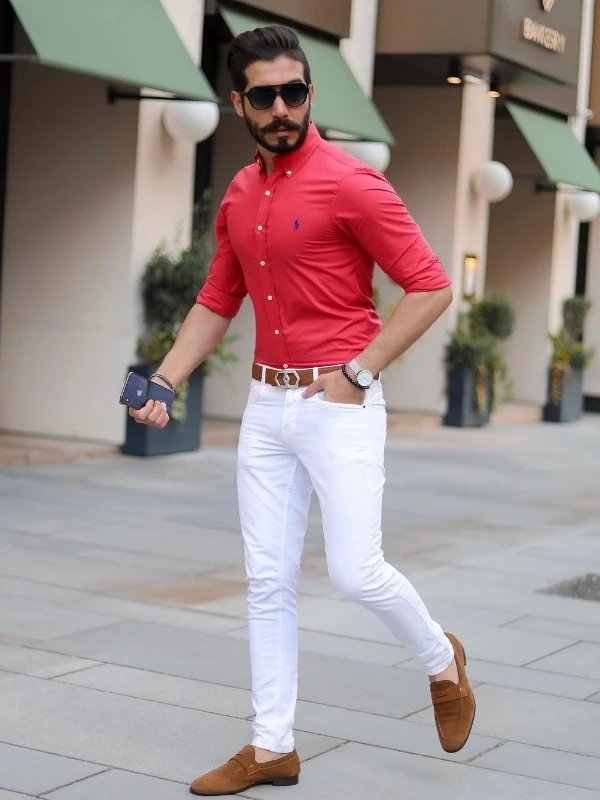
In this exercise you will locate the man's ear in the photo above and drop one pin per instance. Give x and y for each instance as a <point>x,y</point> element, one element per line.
<point>238,103</point>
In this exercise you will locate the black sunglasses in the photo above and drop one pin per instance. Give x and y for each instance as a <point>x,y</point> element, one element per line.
<point>263,97</point>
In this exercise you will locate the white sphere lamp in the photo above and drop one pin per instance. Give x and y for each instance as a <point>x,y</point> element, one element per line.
<point>375,154</point>
<point>493,181</point>
<point>584,206</point>
<point>190,120</point>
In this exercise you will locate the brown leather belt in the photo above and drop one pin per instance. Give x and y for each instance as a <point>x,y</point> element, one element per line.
<point>288,378</point>
<point>291,378</point>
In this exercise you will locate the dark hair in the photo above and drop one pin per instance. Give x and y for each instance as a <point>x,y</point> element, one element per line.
<point>263,44</point>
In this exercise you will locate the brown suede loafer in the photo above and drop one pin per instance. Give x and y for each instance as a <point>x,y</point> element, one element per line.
<point>242,771</point>
<point>454,704</point>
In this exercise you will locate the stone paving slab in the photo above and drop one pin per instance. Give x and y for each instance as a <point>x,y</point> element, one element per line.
<point>33,772</point>
<point>506,645</point>
<point>538,564</point>
<point>555,627</point>
<point>38,590</point>
<point>148,612</point>
<point>73,571</point>
<point>118,785</point>
<point>488,590</point>
<point>541,720</point>
<point>6,795</point>
<point>394,734</point>
<point>31,620</point>
<point>543,763</point>
<point>531,680</point>
<point>581,659</point>
<point>38,663</point>
<point>356,772</point>
<point>162,648</point>
<point>203,696</point>
<point>156,739</point>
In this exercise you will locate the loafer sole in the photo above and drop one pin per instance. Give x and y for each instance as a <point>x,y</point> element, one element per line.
<point>275,782</point>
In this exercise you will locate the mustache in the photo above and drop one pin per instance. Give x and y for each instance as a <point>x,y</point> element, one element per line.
<point>280,125</point>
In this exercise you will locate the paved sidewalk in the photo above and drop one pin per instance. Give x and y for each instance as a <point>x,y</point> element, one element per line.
<point>123,654</point>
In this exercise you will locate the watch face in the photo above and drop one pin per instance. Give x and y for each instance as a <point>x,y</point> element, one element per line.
<point>365,378</point>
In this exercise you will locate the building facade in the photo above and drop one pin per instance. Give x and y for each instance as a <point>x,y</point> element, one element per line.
<point>89,188</point>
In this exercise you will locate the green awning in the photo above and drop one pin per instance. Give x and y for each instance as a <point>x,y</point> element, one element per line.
<point>563,158</point>
<point>340,104</point>
<point>129,41</point>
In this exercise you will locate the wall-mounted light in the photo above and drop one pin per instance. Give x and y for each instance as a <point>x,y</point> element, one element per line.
<point>470,270</point>
<point>454,75</point>
<point>494,90</point>
<point>584,206</point>
<point>375,154</point>
<point>493,181</point>
<point>190,120</point>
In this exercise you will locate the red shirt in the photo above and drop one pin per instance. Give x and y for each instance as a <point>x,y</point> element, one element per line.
<point>302,241</point>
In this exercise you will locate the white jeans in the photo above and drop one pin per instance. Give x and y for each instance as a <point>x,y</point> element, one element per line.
<point>289,444</point>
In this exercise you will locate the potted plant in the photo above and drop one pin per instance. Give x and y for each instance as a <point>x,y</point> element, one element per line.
<point>474,362</point>
<point>169,288</point>
<point>569,358</point>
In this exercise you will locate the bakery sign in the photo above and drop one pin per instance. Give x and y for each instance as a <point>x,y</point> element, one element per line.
<point>543,35</point>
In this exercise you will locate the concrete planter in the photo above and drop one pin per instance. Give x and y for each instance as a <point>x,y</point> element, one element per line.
<point>177,437</point>
<point>568,406</point>
<point>462,410</point>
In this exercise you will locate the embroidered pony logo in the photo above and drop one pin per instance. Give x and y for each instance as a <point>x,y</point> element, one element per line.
<point>296,224</point>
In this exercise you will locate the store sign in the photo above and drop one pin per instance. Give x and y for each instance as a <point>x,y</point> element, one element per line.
<point>542,35</point>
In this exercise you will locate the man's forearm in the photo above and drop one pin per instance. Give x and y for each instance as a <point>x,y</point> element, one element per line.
<point>199,335</point>
<point>414,314</point>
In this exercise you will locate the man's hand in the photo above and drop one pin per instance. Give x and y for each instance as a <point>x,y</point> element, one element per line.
<point>153,414</point>
<point>337,388</point>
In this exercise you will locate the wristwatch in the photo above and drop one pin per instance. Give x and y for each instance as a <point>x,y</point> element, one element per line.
<point>364,377</point>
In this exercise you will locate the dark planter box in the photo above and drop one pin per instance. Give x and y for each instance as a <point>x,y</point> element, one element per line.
<point>570,406</point>
<point>177,437</point>
<point>462,409</point>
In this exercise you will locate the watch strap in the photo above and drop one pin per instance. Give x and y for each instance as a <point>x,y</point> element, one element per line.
<point>354,366</point>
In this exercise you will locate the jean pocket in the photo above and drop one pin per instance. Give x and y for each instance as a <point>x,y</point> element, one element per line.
<point>334,404</point>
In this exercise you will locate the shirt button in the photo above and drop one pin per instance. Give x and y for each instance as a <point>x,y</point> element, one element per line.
<point>288,172</point>
<point>269,297</point>
<point>276,331</point>
<point>267,193</point>
<point>259,228</point>
<point>262,263</point>
<point>285,366</point>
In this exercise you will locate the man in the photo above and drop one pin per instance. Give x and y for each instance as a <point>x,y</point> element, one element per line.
<point>300,230</point>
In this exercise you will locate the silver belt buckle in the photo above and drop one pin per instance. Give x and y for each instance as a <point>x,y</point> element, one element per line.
<point>288,375</point>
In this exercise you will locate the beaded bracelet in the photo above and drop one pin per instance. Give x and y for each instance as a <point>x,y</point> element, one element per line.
<point>352,381</point>
<point>165,380</point>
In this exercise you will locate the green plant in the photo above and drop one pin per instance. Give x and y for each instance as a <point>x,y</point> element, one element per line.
<point>568,351</point>
<point>474,345</point>
<point>169,287</point>
<point>495,315</point>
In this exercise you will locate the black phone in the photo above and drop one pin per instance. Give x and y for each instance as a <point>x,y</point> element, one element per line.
<point>135,391</point>
<point>161,393</point>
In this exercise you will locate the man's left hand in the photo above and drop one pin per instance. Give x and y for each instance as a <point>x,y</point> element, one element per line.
<point>336,388</point>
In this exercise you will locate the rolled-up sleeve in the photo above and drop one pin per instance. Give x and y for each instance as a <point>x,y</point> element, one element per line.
<point>370,211</point>
<point>225,287</point>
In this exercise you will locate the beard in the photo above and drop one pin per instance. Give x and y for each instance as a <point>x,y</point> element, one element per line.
<point>283,145</point>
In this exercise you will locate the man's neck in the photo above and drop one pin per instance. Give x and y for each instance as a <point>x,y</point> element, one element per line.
<point>267,157</point>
